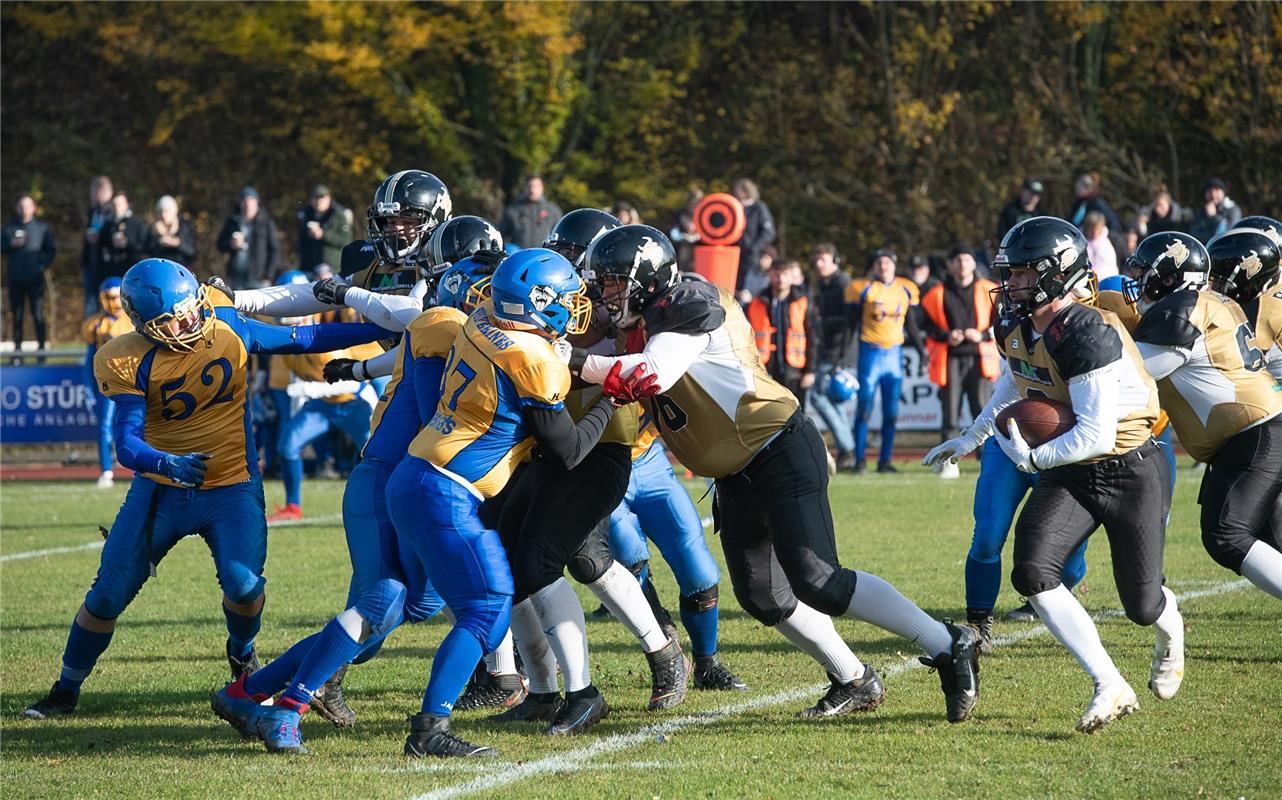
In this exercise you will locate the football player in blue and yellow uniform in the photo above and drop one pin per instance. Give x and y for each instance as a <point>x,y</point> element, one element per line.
<point>180,384</point>
<point>110,322</point>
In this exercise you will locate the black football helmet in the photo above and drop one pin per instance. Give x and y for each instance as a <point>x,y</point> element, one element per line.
<point>1055,249</point>
<point>631,265</point>
<point>576,230</point>
<point>1168,262</point>
<point>1243,262</point>
<point>1266,225</point>
<point>406,207</point>
<point>456,239</point>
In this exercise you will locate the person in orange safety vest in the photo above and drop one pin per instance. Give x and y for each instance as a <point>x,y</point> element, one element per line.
<point>783,321</point>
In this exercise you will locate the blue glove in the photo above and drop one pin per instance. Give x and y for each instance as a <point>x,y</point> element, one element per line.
<point>187,471</point>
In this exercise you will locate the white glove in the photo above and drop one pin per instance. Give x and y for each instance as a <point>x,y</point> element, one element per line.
<point>563,349</point>
<point>953,450</point>
<point>1016,448</point>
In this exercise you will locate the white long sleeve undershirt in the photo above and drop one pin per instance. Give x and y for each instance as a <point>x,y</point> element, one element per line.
<point>392,311</point>
<point>666,355</point>
<point>1096,403</point>
<point>1162,360</point>
<point>293,300</point>
<point>383,363</point>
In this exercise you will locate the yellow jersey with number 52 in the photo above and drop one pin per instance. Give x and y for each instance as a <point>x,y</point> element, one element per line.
<point>491,375</point>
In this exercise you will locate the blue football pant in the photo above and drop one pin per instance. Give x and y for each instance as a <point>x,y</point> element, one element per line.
<point>311,422</point>
<point>880,370</point>
<point>105,411</point>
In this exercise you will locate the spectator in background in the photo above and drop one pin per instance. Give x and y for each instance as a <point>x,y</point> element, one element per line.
<point>758,277</point>
<point>324,229</point>
<point>684,237</point>
<point>1099,248</point>
<point>28,243</point>
<point>758,232</point>
<point>110,321</point>
<point>625,213</point>
<point>122,242</point>
<point>1130,241</point>
<point>1163,214</point>
<point>528,221</point>
<point>833,350</point>
<point>784,324</point>
<point>100,192</point>
<point>1217,214</point>
<point>249,240</point>
<point>963,355</point>
<point>1087,190</point>
<point>919,272</point>
<point>1020,208</point>
<point>171,236</point>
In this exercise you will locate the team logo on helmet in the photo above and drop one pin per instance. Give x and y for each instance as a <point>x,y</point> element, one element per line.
<point>1251,264</point>
<point>1066,250</point>
<point>542,296</point>
<point>650,252</point>
<point>444,205</point>
<point>1177,251</point>
<point>453,282</point>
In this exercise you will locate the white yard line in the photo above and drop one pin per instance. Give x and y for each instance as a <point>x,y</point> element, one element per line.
<point>505,773</point>
<point>53,551</point>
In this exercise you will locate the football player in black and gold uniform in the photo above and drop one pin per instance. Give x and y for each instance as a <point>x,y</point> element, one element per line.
<point>1259,295</point>
<point>724,418</point>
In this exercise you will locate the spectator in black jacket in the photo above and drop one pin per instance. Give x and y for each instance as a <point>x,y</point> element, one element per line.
<point>1020,208</point>
<point>122,242</point>
<point>528,221</point>
<point>100,192</point>
<point>1217,214</point>
<point>833,350</point>
<point>758,233</point>
<point>28,243</point>
<point>1163,214</point>
<point>171,236</point>
<point>249,240</point>
<point>324,229</point>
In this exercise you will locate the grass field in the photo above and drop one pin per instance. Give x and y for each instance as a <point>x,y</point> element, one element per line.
<point>144,728</point>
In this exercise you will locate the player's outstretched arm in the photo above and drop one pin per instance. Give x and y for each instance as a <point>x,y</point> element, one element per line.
<point>263,338</point>
<point>293,300</point>
<point>394,312</point>
<point>667,356</point>
<point>1004,393</point>
<point>351,369</point>
<point>560,437</point>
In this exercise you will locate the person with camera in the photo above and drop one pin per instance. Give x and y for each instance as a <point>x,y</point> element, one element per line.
<point>122,242</point>
<point>324,229</point>
<point>28,243</point>
<point>248,238</point>
<point>171,236</point>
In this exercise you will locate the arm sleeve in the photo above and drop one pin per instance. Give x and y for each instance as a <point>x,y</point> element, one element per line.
<point>666,355</point>
<point>394,312</point>
<point>1162,360</point>
<point>131,450</point>
<point>425,378</point>
<point>1005,392</point>
<point>561,437</point>
<point>1095,402</point>
<point>381,365</point>
<point>294,300</point>
<point>325,338</point>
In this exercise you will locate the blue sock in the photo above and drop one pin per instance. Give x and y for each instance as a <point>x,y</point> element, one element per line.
<point>370,649</point>
<point>861,438</point>
<point>887,438</point>
<point>280,671</point>
<point>291,472</point>
<point>451,668</point>
<point>83,649</point>
<point>333,648</point>
<point>1074,568</point>
<point>643,577</point>
<point>702,627</point>
<point>983,582</point>
<point>241,631</point>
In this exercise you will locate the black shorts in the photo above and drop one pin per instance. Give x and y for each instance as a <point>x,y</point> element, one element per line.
<point>1241,495</point>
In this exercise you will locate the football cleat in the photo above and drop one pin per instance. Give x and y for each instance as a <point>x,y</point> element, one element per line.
<point>948,470</point>
<point>495,690</point>
<point>601,612</point>
<point>241,667</point>
<point>886,468</point>
<point>534,708</point>
<point>106,480</point>
<point>290,512</point>
<point>1167,671</point>
<point>1025,613</point>
<point>669,676</point>
<point>577,714</point>
<point>959,672</point>
<point>329,703</point>
<point>862,694</point>
<point>58,703</point>
<point>710,673</point>
<point>982,622</point>
<point>430,736</point>
<point>1110,702</point>
<point>277,726</point>
<point>238,712</point>
<point>860,468</point>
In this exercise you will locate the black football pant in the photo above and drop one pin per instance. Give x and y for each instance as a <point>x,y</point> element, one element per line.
<point>777,532</point>
<point>1241,495</point>
<point>964,381</point>
<point>22,295</point>
<point>1128,495</point>
<point>550,514</point>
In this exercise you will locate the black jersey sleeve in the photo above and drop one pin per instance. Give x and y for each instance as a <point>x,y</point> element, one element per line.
<point>356,256</point>
<point>690,307</point>
<point>560,437</point>
<point>1080,341</point>
<point>1169,322</point>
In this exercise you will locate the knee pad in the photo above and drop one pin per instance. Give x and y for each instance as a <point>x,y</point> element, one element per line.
<point>591,561</point>
<point>242,586</point>
<point>704,600</point>
<point>1225,551</point>
<point>1031,579</point>
<point>1143,615</point>
<point>488,621</point>
<point>370,649</point>
<point>423,607</point>
<point>382,606</point>
<point>106,603</point>
<point>765,607</point>
<point>831,598</point>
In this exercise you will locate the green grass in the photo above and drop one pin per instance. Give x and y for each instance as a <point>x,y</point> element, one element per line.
<point>144,728</point>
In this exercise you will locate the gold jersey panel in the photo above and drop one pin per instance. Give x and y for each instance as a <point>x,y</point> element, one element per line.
<point>623,428</point>
<point>725,407</point>
<point>1115,301</point>
<point>1268,329</point>
<point>430,335</point>
<point>1082,338</point>
<point>103,327</point>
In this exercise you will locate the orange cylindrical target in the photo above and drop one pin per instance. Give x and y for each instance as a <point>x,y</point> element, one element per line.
<point>720,219</point>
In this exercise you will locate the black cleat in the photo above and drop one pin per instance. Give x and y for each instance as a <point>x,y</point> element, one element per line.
<point>580,711</point>
<point>430,736</point>
<point>669,676</point>
<point>58,703</point>
<point>885,467</point>
<point>534,708</point>
<point>1025,613</point>
<point>245,666</point>
<point>981,620</point>
<point>959,672</point>
<point>860,467</point>
<point>495,690</point>
<point>862,694</point>
<point>710,673</point>
<point>330,704</point>
<point>601,612</point>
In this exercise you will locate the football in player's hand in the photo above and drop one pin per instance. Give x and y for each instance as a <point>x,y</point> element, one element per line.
<point>1039,419</point>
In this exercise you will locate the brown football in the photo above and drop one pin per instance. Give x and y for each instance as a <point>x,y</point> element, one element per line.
<point>1039,419</point>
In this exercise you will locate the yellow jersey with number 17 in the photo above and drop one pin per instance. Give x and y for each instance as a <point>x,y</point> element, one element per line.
<point>478,433</point>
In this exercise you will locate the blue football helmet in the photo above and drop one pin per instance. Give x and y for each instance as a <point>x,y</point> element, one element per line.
<point>292,276</point>
<point>465,285</point>
<point>167,304</point>
<point>840,386</point>
<point>1127,287</point>
<point>539,290</point>
<point>109,296</point>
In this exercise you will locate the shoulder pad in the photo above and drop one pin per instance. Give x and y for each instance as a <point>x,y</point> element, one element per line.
<point>689,307</point>
<point>1081,341</point>
<point>1169,322</point>
<point>1004,326</point>
<point>356,256</point>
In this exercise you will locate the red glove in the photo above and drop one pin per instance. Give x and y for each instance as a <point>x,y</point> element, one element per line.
<point>637,386</point>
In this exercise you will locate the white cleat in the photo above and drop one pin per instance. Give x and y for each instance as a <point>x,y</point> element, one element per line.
<point>105,480</point>
<point>1109,703</point>
<point>949,471</point>
<point>1168,671</point>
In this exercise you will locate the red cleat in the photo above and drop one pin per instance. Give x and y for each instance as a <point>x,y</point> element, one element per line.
<point>289,512</point>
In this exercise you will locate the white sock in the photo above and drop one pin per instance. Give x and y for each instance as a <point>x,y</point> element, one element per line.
<point>1263,567</point>
<point>621,593</point>
<point>1169,627</point>
<point>540,664</point>
<point>1070,623</point>
<point>503,659</point>
<point>814,634</point>
<point>566,631</point>
<point>881,604</point>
